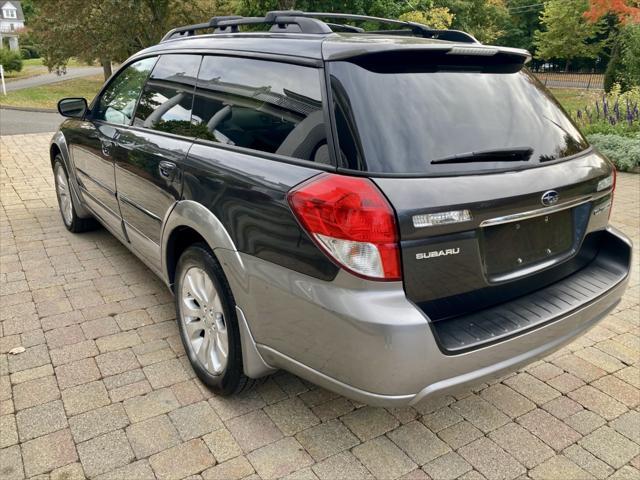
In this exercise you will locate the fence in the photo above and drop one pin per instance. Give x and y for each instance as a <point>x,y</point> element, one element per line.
<point>588,80</point>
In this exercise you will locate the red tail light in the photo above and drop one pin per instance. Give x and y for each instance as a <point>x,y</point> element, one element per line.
<point>350,219</point>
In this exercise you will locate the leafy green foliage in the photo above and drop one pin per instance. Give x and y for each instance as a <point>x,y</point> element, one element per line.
<point>484,19</point>
<point>624,66</point>
<point>108,30</point>
<point>524,20</point>
<point>11,61</point>
<point>624,152</point>
<point>629,76</point>
<point>567,35</point>
<point>28,48</point>
<point>436,17</point>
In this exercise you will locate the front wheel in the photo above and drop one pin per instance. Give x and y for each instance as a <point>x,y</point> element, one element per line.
<point>206,315</point>
<point>70,219</point>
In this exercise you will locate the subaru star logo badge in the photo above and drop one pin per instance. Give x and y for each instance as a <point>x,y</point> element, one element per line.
<point>550,198</point>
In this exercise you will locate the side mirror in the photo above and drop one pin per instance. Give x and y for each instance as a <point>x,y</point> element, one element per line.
<point>73,107</point>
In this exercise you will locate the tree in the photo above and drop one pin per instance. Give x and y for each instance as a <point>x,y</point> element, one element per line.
<point>624,64</point>
<point>627,11</point>
<point>484,19</point>
<point>524,20</point>
<point>567,34</point>
<point>436,17</point>
<point>108,30</point>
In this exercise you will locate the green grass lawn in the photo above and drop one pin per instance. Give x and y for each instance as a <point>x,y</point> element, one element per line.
<point>47,96</point>
<point>33,66</point>
<point>574,99</point>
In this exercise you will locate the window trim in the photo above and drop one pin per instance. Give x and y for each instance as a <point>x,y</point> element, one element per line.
<point>316,64</point>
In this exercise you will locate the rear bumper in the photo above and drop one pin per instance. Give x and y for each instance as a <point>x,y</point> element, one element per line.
<point>369,343</point>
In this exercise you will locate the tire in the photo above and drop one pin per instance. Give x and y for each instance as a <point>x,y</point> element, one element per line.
<point>71,221</point>
<point>205,311</point>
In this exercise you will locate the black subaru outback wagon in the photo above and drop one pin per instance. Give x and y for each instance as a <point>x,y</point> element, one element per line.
<point>389,214</point>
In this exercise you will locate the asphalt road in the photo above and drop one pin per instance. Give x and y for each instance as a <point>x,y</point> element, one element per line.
<point>14,122</point>
<point>46,78</point>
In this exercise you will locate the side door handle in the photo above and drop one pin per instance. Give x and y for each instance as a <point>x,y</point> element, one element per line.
<point>107,147</point>
<point>166,169</point>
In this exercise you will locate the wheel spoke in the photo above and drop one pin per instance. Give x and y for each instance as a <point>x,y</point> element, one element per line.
<point>194,328</point>
<point>216,359</point>
<point>194,287</point>
<point>206,286</point>
<point>190,309</point>
<point>216,304</point>
<point>222,345</point>
<point>204,350</point>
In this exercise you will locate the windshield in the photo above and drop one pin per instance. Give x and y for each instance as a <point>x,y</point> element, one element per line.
<point>415,121</point>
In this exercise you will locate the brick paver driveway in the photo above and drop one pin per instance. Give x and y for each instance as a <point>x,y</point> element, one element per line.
<point>103,388</point>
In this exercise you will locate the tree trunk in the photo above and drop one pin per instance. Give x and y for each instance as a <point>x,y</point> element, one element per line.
<point>106,68</point>
<point>566,66</point>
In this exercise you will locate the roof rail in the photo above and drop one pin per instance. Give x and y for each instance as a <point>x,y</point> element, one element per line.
<point>309,22</point>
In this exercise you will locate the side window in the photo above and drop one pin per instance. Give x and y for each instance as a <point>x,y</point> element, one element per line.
<point>167,97</point>
<point>118,101</point>
<point>267,106</point>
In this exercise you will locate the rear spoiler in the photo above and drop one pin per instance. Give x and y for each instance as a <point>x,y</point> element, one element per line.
<point>432,57</point>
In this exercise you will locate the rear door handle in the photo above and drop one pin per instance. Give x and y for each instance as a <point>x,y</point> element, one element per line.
<point>107,146</point>
<point>166,168</point>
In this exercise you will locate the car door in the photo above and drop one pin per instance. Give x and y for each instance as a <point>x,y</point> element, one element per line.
<point>148,164</point>
<point>93,142</point>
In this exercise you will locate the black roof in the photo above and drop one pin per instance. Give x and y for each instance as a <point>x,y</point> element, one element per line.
<point>313,47</point>
<point>303,36</point>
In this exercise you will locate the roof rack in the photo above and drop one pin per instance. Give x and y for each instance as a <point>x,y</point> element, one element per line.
<point>309,22</point>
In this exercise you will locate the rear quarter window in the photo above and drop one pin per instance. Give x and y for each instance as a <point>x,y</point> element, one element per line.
<point>261,105</point>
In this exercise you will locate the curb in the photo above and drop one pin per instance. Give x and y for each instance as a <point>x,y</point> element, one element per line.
<point>28,109</point>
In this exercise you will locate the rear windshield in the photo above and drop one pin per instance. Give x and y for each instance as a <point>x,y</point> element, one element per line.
<point>417,120</point>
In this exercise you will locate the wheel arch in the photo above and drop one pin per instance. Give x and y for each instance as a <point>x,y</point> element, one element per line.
<point>187,223</point>
<point>190,222</point>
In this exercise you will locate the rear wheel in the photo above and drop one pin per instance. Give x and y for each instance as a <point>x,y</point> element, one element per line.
<point>70,219</point>
<point>206,315</point>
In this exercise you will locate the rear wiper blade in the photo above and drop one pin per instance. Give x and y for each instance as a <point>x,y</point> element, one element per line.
<point>518,154</point>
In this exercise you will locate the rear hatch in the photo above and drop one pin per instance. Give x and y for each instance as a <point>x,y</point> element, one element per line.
<point>493,186</point>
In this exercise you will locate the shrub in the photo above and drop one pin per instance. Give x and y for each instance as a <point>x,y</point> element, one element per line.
<point>623,67</point>
<point>624,152</point>
<point>11,61</point>
<point>614,113</point>
<point>29,51</point>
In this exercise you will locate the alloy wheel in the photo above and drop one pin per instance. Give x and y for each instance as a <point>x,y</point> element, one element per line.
<point>203,319</point>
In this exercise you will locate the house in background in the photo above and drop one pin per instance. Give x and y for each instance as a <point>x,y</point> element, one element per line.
<point>11,22</point>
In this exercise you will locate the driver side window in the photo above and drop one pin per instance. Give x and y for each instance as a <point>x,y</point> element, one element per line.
<point>118,102</point>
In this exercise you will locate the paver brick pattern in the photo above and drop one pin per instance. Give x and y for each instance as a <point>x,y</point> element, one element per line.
<point>104,390</point>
